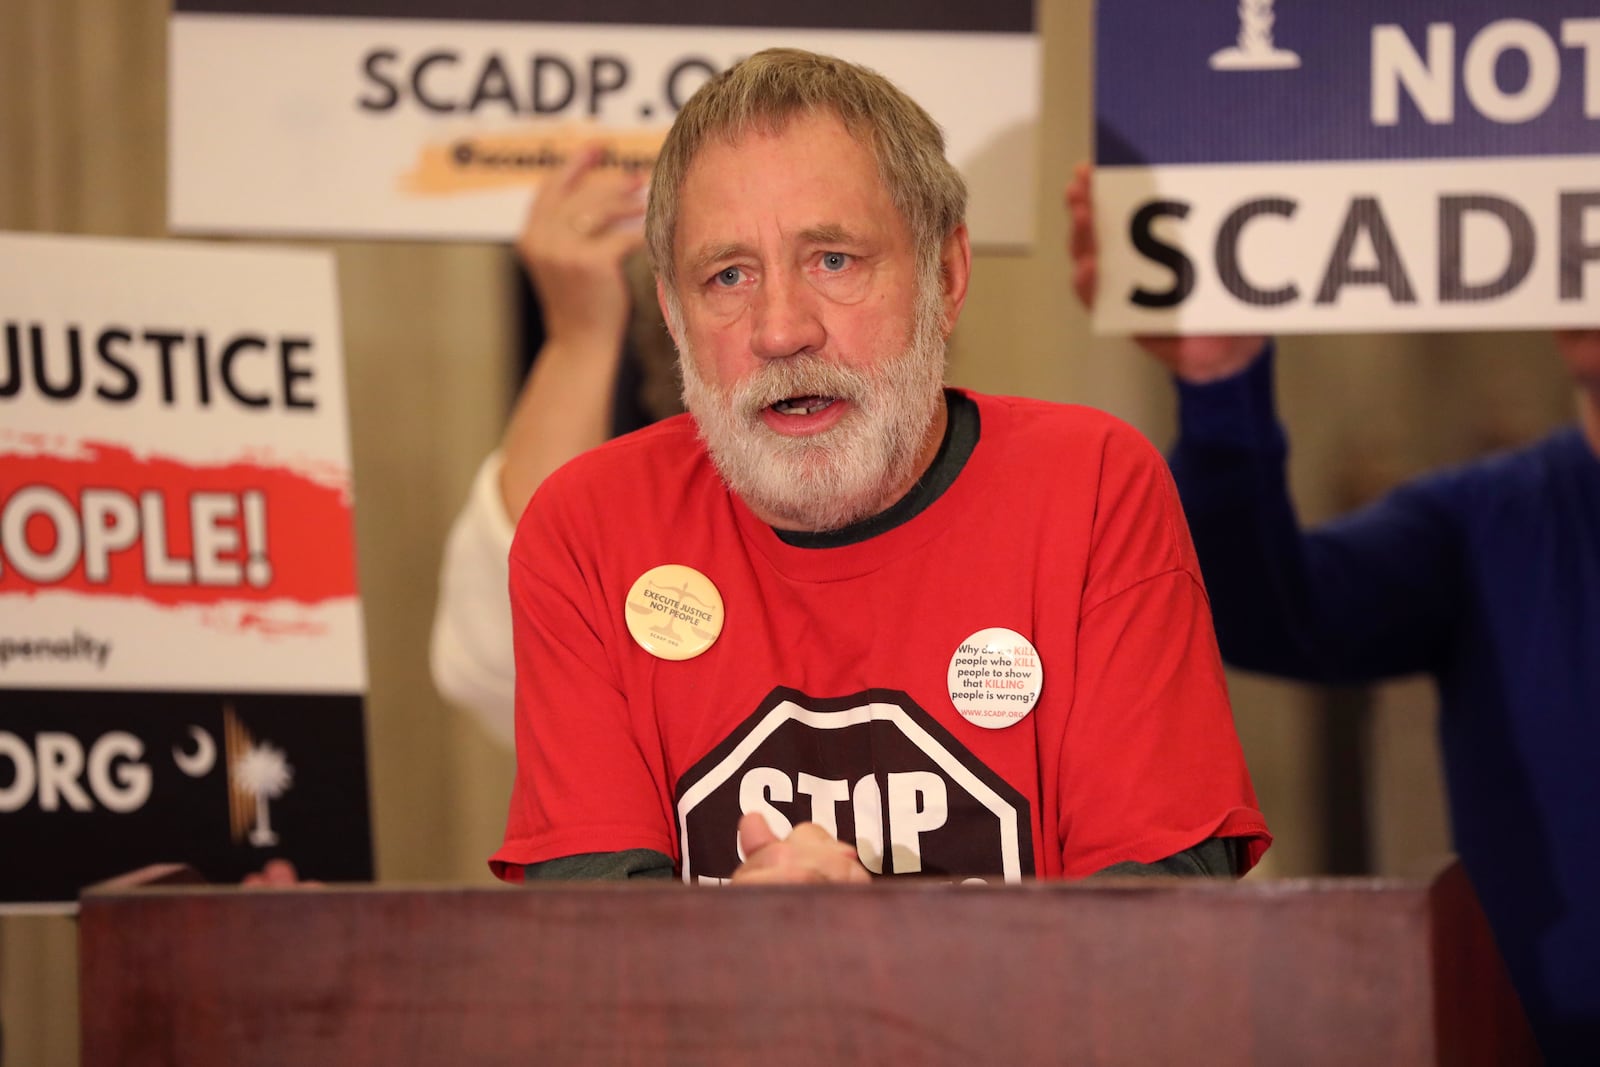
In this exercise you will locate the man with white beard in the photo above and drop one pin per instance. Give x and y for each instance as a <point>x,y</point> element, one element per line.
<point>841,621</point>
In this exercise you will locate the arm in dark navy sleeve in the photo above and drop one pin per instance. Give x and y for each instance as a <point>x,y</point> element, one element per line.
<point>1370,595</point>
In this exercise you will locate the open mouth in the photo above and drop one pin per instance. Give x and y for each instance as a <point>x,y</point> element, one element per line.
<point>803,405</point>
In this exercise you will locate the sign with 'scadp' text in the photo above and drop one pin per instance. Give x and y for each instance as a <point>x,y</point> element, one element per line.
<point>181,651</point>
<point>435,118</point>
<point>1371,165</point>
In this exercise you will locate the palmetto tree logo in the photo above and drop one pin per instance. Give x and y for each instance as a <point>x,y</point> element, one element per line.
<point>264,773</point>
<point>1253,49</point>
<point>258,772</point>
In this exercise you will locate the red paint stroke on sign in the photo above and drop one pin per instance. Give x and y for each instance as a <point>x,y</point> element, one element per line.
<point>104,521</point>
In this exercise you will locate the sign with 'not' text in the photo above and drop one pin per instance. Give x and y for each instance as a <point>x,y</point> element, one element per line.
<point>1367,165</point>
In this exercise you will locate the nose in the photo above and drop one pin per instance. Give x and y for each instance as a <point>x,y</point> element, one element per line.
<point>787,319</point>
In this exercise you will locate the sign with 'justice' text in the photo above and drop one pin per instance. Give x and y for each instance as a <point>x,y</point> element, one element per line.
<point>181,654</point>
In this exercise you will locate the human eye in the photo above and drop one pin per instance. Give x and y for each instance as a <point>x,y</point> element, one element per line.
<point>834,262</point>
<point>727,277</point>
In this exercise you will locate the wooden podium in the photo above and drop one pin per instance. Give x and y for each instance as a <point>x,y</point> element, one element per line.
<point>1282,974</point>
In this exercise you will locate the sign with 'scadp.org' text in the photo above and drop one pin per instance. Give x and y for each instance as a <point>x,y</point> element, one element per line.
<point>181,653</point>
<point>435,118</point>
<point>1370,165</point>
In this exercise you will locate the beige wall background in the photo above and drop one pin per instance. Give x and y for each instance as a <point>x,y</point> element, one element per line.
<point>428,330</point>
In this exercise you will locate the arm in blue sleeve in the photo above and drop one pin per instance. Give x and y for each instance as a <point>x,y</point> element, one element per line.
<point>1368,596</point>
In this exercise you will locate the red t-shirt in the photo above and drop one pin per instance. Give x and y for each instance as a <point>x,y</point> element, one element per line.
<point>828,695</point>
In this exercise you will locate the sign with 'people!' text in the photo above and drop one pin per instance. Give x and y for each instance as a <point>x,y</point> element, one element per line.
<point>181,653</point>
<point>1367,165</point>
<point>435,118</point>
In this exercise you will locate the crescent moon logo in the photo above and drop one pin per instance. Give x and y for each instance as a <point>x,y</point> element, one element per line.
<point>199,763</point>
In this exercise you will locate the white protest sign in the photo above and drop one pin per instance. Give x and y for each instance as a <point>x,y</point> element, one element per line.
<point>434,119</point>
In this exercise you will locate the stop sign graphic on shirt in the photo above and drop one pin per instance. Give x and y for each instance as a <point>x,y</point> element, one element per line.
<point>872,768</point>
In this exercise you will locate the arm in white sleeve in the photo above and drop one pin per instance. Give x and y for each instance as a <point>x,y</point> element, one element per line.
<point>470,653</point>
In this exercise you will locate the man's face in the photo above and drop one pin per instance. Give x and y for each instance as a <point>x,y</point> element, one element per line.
<point>813,359</point>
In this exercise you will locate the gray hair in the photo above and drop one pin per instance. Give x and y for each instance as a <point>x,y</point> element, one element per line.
<point>766,91</point>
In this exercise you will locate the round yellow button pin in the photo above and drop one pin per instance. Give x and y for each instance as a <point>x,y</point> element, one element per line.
<point>674,612</point>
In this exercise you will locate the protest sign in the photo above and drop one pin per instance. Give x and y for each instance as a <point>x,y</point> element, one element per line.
<point>181,652</point>
<point>1370,165</point>
<point>435,118</point>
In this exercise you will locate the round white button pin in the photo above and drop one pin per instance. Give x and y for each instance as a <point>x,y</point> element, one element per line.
<point>995,678</point>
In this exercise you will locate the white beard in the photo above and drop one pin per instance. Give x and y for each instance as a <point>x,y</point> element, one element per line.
<point>832,479</point>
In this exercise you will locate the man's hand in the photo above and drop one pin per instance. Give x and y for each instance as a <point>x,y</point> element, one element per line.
<point>809,855</point>
<point>1194,359</point>
<point>584,221</point>
<point>278,874</point>
<point>1581,350</point>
